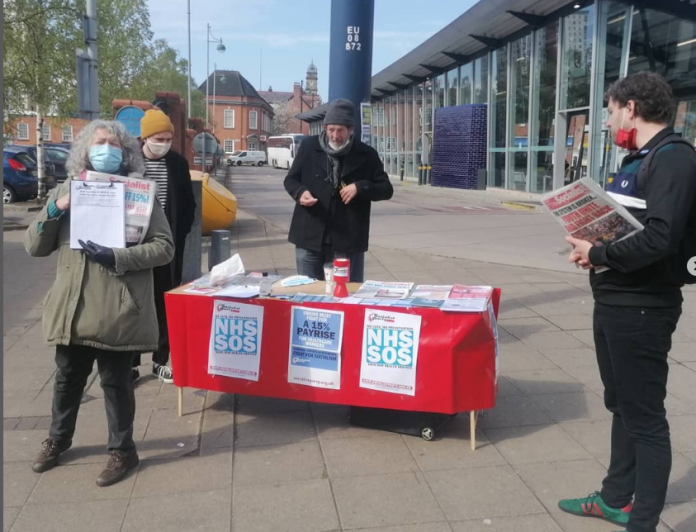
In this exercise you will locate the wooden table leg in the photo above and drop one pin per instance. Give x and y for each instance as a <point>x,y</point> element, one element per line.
<point>472,429</point>
<point>180,393</point>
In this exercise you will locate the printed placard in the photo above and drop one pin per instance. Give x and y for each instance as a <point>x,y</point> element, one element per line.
<point>235,340</point>
<point>390,352</point>
<point>316,336</point>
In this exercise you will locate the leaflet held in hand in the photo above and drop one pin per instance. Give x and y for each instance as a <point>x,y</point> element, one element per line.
<point>139,201</point>
<point>97,214</point>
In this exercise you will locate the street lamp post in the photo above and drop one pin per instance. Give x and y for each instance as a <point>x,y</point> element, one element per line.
<point>220,48</point>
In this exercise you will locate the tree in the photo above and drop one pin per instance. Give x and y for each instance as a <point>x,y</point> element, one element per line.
<point>34,53</point>
<point>284,118</point>
<point>166,71</point>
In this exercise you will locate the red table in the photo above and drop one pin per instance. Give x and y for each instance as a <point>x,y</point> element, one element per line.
<point>456,369</point>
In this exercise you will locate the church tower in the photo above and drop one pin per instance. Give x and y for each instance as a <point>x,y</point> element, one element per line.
<point>312,80</point>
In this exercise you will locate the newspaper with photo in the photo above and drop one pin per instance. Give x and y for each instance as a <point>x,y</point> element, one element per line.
<point>463,298</point>
<point>140,200</point>
<point>383,290</point>
<point>587,212</point>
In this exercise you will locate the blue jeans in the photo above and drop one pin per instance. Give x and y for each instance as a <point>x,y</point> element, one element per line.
<point>311,263</point>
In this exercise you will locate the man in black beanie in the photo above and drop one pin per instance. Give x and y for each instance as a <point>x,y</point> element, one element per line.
<point>333,180</point>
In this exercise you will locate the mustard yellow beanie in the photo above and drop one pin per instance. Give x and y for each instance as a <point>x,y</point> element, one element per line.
<point>154,121</point>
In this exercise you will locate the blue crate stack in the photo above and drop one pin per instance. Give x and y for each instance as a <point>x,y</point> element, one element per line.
<point>459,145</point>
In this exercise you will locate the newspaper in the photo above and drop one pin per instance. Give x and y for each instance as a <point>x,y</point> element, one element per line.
<point>464,298</point>
<point>587,212</point>
<point>140,199</point>
<point>432,291</point>
<point>383,290</point>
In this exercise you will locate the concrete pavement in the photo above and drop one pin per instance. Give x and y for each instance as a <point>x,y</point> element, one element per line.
<point>252,464</point>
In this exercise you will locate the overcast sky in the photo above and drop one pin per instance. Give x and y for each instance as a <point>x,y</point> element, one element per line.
<point>288,34</point>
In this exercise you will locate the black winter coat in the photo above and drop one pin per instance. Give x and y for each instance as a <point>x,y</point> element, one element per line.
<point>348,225</point>
<point>180,209</point>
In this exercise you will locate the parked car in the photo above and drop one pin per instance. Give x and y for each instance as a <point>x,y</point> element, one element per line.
<point>57,155</point>
<point>20,180</point>
<point>239,158</point>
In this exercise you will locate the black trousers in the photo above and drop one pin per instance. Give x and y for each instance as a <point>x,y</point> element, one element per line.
<point>162,280</point>
<point>632,346</point>
<point>74,365</point>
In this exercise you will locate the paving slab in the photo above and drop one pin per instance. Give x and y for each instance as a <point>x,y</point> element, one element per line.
<point>541,444</point>
<point>483,492</point>
<point>375,455</point>
<point>86,516</point>
<point>561,480</point>
<point>279,464</point>
<point>76,483</point>
<point>164,477</point>
<point>305,506</point>
<point>518,523</point>
<point>18,481</point>
<point>380,500</point>
<point>207,511</point>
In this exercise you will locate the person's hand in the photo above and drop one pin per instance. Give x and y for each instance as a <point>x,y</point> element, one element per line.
<point>348,193</point>
<point>63,203</point>
<point>307,200</point>
<point>581,252</point>
<point>99,254</point>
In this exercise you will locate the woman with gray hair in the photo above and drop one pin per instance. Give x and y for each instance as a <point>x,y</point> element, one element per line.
<point>101,305</point>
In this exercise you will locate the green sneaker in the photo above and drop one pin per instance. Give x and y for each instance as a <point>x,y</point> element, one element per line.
<point>594,506</point>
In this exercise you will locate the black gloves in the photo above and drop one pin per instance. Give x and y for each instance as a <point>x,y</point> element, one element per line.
<point>99,254</point>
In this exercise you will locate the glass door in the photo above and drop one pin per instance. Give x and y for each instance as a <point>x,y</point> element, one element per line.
<point>575,154</point>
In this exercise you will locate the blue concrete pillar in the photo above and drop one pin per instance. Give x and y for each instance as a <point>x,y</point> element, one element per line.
<point>350,68</point>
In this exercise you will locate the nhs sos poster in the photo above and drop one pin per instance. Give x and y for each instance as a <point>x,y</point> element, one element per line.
<point>235,340</point>
<point>390,352</point>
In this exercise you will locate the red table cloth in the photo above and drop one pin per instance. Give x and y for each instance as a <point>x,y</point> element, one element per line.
<point>455,372</point>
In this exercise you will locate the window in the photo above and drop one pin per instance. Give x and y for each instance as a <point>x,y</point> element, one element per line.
<point>57,156</point>
<point>229,118</point>
<point>229,145</point>
<point>253,120</point>
<point>23,131</point>
<point>67,134</point>
<point>46,132</point>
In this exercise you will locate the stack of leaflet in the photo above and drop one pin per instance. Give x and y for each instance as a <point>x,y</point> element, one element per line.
<point>448,298</point>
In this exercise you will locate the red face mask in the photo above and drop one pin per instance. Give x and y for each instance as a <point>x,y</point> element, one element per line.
<point>626,138</point>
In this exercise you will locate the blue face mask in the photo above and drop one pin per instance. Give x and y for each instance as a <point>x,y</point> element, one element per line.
<point>105,158</point>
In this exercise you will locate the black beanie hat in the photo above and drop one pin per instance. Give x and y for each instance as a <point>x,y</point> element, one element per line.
<point>341,112</point>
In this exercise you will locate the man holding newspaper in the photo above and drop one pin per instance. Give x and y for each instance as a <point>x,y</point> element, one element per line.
<point>638,267</point>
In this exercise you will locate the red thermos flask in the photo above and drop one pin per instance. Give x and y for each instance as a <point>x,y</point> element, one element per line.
<point>341,276</point>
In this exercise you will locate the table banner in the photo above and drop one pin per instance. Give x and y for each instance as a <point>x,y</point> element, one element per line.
<point>390,352</point>
<point>235,340</point>
<point>316,337</point>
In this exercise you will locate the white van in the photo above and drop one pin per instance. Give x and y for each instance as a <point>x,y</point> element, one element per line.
<point>239,158</point>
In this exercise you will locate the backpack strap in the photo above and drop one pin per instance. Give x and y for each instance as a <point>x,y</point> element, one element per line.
<point>644,170</point>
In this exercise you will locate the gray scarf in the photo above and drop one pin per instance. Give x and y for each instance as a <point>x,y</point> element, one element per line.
<point>335,157</point>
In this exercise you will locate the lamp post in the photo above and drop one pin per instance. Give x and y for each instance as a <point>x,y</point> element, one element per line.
<point>220,48</point>
<point>188,92</point>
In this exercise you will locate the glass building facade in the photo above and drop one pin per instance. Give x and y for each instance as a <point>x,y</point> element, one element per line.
<point>545,94</point>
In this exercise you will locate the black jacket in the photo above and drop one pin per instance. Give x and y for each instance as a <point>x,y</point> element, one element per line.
<point>180,209</point>
<point>348,226</point>
<point>647,268</point>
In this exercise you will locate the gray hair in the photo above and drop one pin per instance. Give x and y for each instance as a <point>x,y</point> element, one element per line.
<point>78,160</point>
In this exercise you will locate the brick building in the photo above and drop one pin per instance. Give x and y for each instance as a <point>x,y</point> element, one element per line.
<point>21,130</point>
<point>290,104</point>
<point>239,117</point>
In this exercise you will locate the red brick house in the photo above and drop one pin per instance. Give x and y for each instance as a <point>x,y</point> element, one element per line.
<point>21,130</point>
<point>239,117</point>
